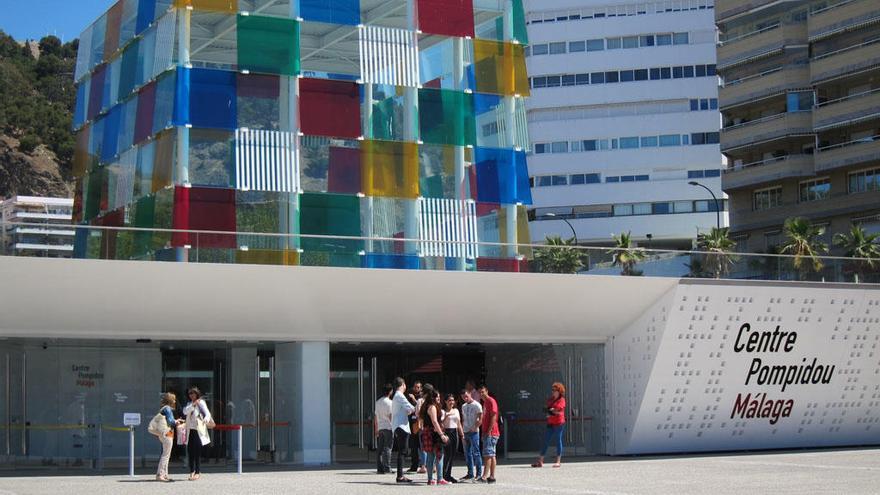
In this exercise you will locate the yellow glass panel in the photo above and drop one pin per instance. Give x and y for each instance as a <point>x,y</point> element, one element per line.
<point>522,229</point>
<point>210,5</point>
<point>390,169</point>
<point>285,257</point>
<point>500,68</point>
<point>163,166</point>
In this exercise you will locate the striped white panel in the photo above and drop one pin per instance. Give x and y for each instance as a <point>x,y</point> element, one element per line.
<point>266,161</point>
<point>166,32</point>
<point>448,227</point>
<point>125,179</point>
<point>389,56</point>
<point>520,124</point>
<point>83,54</point>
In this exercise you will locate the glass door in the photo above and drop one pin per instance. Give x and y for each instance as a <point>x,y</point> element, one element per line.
<point>267,428</point>
<point>352,379</point>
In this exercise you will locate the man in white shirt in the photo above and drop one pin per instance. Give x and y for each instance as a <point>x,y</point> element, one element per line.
<point>400,411</point>
<point>471,418</point>
<point>382,430</point>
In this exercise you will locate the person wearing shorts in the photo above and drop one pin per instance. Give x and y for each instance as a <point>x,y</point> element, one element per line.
<point>490,433</point>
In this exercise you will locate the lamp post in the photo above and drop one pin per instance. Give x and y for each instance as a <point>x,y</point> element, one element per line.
<point>573,233</point>
<point>717,206</point>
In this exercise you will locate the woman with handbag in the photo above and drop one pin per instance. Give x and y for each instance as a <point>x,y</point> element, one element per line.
<point>163,426</point>
<point>555,424</point>
<point>198,420</point>
<point>432,436</point>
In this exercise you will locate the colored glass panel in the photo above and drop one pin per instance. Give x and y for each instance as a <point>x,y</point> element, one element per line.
<point>500,68</point>
<point>447,17</point>
<point>82,104</point>
<point>268,45</point>
<point>212,98</point>
<point>163,164</point>
<point>330,108</point>
<point>391,261</point>
<point>262,212</point>
<point>143,173</point>
<point>502,176</point>
<point>344,172</point>
<point>230,6</point>
<point>258,102</point>
<point>522,229</point>
<point>96,92</point>
<point>330,214</point>
<point>146,14</point>
<point>211,158</point>
<point>128,74</point>
<point>319,157</point>
<point>146,105</point>
<point>111,35</point>
<point>127,122</point>
<point>81,156</point>
<point>112,122</point>
<point>284,257</point>
<point>496,116</point>
<point>129,21</point>
<point>520,33</point>
<point>144,218</point>
<point>331,11</point>
<point>388,120</point>
<point>390,168</point>
<point>437,172</point>
<point>446,117</point>
<point>166,101</point>
<point>204,208</point>
<point>99,32</point>
<point>502,265</point>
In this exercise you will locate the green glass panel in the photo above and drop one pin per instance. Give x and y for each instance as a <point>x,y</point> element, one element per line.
<point>520,34</point>
<point>268,45</point>
<point>92,194</point>
<point>325,258</point>
<point>437,171</point>
<point>330,214</point>
<point>388,122</point>
<point>128,75</point>
<point>144,217</point>
<point>446,117</point>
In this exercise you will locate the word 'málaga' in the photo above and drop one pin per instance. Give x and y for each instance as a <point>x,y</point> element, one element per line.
<point>782,375</point>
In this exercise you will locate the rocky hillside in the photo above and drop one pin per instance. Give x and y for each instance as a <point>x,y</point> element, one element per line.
<point>36,102</point>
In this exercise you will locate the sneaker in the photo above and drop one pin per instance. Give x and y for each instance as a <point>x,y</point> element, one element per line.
<point>404,480</point>
<point>452,480</point>
<point>490,480</point>
<point>412,470</point>
<point>432,482</point>
<point>442,482</point>
<point>466,478</point>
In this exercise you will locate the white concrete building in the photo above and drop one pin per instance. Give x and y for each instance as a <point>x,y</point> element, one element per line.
<point>20,234</point>
<point>623,115</point>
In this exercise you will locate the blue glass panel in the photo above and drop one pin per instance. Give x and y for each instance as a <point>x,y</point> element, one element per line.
<point>181,97</point>
<point>164,112</point>
<point>82,100</point>
<point>394,261</point>
<point>146,14</point>
<point>111,134</point>
<point>212,98</point>
<point>331,11</point>
<point>80,243</point>
<point>502,176</point>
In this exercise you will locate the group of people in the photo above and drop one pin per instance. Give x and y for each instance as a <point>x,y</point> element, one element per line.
<point>430,426</point>
<point>194,425</point>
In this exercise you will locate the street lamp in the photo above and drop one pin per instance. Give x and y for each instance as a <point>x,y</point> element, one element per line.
<point>573,233</point>
<point>717,207</point>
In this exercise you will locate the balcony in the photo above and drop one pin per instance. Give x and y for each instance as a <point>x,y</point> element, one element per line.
<point>845,15</point>
<point>760,43</point>
<point>766,129</point>
<point>725,9</point>
<point>853,153</point>
<point>764,84</point>
<point>848,110</point>
<point>765,171</point>
<point>855,58</point>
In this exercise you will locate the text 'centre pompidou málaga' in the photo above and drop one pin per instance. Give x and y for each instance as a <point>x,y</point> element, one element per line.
<point>391,119</point>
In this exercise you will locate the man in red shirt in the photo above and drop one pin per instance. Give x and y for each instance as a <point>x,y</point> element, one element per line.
<point>490,433</point>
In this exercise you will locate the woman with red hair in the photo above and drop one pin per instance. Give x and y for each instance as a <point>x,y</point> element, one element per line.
<point>555,424</point>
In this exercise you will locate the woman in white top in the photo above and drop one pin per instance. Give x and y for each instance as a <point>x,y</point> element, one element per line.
<point>452,428</point>
<point>197,418</point>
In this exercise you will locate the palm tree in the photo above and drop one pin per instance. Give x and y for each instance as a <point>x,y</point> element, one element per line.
<point>802,241</point>
<point>718,246</point>
<point>559,257</point>
<point>626,255</point>
<point>859,244</point>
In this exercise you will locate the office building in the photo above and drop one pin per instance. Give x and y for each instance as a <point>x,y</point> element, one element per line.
<point>623,116</point>
<point>36,226</point>
<point>801,108</point>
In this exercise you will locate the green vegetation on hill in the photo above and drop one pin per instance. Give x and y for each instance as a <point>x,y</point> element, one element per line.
<point>37,95</point>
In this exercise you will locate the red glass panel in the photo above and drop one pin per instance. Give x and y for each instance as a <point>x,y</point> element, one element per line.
<point>146,105</point>
<point>204,208</point>
<point>111,35</point>
<point>344,171</point>
<point>96,92</point>
<point>502,265</point>
<point>447,17</point>
<point>115,218</point>
<point>330,108</point>
<point>484,209</point>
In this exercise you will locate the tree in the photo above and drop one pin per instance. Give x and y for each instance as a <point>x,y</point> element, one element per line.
<point>626,255</point>
<point>718,245</point>
<point>802,242</point>
<point>859,244</point>
<point>559,256</point>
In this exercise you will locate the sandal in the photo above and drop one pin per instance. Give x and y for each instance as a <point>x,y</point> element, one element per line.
<point>538,465</point>
<point>557,465</point>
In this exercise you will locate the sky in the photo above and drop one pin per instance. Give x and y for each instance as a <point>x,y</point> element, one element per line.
<point>33,19</point>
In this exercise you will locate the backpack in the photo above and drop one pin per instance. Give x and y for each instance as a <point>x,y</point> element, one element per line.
<point>158,425</point>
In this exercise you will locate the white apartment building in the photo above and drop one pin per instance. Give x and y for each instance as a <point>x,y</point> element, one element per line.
<point>37,226</point>
<point>623,116</point>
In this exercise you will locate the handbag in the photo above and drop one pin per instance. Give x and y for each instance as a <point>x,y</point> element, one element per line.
<point>158,425</point>
<point>210,423</point>
<point>181,434</point>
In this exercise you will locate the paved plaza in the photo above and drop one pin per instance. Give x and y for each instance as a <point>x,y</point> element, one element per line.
<point>855,471</point>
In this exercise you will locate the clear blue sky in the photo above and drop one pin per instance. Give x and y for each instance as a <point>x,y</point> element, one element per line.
<point>33,19</point>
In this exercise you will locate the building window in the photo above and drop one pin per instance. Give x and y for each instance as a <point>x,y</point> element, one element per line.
<point>577,46</point>
<point>649,142</point>
<point>611,77</point>
<point>670,140</point>
<point>712,173</point>
<point>865,180</point>
<point>814,190</point>
<point>596,45</point>
<point>661,208</point>
<point>559,147</point>
<point>631,42</point>
<point>664,39</point>
<point>592,178</point>
<point>642,209</point>
<point>641,74</point>
<point>539,50</point>
<point>629,142</point>
<point>539,82</point>
<point>680,38</point>
<point>553,81</point>
<point>560,180</point>
<point>677,72</point>
<point>597,78</point>
<point>647,40</point>
<point>613,43</point>
<point>540,148</point>
<point>688,71</point>
<point>582,79</point>
<point>665,73</point>
<point>545,181</point>
<point>696,174</point>
<point>627,76</point>
<point>576,179</point>
<point>569,80</point>
<point>612,179</point>
<point>655,73</point>
<point>767,198</point>
<point>701,70</point>
<point>683,206</point>
<point>557,48</point>
<point>623,210</point>
<point>799,101</point>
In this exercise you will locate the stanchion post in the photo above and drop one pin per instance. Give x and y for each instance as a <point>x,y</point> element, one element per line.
<point>131,451</point>
<point>240,448</point>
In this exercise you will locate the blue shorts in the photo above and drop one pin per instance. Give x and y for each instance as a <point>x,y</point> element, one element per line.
<point>489,445</point>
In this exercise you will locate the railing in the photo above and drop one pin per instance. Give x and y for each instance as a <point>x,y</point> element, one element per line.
<point>202,246</point>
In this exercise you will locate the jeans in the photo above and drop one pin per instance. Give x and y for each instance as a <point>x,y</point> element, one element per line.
<point>383,451</point>
<point>434,458</point>
<point>401,439</point>
<point>418,457</point>
<point>472,454</point>
<point>449,451</point>
<point>194,451</point>
<point>167,444</point>
<point>554,434</point>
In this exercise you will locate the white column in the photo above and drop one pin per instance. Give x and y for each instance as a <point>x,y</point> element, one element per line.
<point>181,170</point>
<point>302,398</point>
<point>411,134</point>
<point>510,130</point>
<point>461,193</point>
